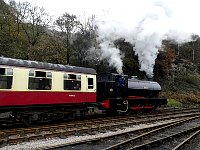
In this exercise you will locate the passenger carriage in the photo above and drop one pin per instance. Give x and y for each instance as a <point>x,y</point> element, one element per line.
<point>34,90</point>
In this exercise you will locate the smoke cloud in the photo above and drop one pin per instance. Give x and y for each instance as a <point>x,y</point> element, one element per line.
<point>112,54</point>
<point>145,24</point>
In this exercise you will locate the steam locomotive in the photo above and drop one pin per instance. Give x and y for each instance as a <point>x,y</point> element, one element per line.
<point>32,91</point>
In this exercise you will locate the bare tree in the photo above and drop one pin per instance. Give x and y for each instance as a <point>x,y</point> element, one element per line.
<point>85,39</point>
<point>18,10</point>
<point>68,25</point>
<point>34,19</point>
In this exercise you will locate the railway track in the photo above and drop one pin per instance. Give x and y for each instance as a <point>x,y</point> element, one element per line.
<point>5,123</point>
<point>139,114</point>
<point>187,140</point>
<point>138,135</point>
<point>155,138</point>
<point>88,126</point>
<point>192,142</point>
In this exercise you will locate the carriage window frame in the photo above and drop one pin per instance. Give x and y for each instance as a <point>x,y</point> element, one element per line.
<point>6,78</point>
<point>90,83</point>
<point>9,71</point>
<point>39,80</point>
<point>72,81</point>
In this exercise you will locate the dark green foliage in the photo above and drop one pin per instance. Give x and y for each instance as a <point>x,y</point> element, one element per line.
<point>49,49</point>
<point>188,82</point>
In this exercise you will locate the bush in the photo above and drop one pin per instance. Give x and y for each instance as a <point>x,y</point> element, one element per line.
<point>173,103</point>
<point>181,96</point>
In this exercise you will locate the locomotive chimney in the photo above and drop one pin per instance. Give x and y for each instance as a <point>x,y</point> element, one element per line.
<point>149,77</point>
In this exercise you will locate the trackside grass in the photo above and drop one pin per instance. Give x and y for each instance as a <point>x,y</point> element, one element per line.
<point>173,103</point>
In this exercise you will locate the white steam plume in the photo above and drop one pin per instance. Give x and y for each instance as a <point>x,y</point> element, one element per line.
<point>112,54</point>
<point>145,24</point>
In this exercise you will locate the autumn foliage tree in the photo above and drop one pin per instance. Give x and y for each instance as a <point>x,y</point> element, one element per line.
<point>164,61</point>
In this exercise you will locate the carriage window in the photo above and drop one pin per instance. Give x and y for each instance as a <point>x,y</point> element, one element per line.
<point>90,83</point>
<point>39,80</point>
<point>72,82</point>
<point>6,78</point>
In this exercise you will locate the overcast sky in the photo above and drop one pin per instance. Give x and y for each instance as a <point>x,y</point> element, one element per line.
<point>186,11</point>
<point>58,7</point>
<point>143,23</point>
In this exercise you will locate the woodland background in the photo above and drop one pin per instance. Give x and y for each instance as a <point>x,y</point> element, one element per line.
<point>27,32</point>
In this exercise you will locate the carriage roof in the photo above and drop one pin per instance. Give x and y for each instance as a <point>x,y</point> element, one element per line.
<point>44,65</point>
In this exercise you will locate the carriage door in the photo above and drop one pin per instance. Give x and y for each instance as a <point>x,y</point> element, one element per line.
<point>91,88</point>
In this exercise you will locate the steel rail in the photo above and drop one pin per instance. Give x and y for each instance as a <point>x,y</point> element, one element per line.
<point>131,140</point>
<point>182,144</point>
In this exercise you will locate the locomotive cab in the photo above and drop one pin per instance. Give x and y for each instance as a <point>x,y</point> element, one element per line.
<point>112,92</point>
<point>112,86</point>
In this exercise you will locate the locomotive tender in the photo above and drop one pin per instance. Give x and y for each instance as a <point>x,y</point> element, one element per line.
<point>36,91</point>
